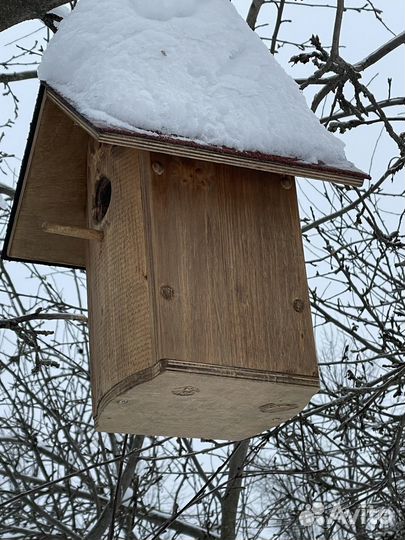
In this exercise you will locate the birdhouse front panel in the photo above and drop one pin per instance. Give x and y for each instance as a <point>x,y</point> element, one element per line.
<point>119,302</point>
<point>197,295</point>
<point>229,272</point>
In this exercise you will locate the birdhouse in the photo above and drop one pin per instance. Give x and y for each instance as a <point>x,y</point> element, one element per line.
<point>199,315</point>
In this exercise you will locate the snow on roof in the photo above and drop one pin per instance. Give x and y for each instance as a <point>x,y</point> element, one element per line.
<point>186,68</point>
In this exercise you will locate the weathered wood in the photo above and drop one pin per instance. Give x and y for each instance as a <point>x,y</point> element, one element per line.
<point>74,232</point>
<point>199,312</point>
<point>54,190</point>
<point>229,272</point>
<point>203,404</point>
<point>211,156</point>
<point>119,309</point>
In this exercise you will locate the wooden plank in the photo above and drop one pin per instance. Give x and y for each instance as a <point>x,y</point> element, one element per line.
<point>133,141</point>
<point>54,190</point>
<point>120,329</point>
<point>201,404</point>
<point>230,279</point>
<point>74,232</point>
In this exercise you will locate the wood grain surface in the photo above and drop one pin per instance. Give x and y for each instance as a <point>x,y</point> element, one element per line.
<point>229,270</point>
<point>119,306</point>
<point>203,403</point>
<point>54,190</point>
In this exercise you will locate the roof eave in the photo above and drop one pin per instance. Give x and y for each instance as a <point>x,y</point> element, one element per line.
<point>188,148</point>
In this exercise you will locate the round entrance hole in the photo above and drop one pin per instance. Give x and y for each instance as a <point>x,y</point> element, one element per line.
<point>102,199</point>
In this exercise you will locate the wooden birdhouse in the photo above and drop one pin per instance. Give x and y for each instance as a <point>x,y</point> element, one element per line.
<point>199,316</point>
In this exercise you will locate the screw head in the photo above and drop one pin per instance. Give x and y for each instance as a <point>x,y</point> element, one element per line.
<point>122,402</point>
<point>167,292</point>
<point>158,168</point>
<point>298,305</point>
<point>286,182</point>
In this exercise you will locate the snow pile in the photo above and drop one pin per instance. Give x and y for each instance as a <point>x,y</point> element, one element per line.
<point>190,68</point>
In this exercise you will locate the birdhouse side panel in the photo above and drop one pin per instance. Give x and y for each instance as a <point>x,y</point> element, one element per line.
<point>230,280</point>
<point>120,320</point>
<point>53,191</point>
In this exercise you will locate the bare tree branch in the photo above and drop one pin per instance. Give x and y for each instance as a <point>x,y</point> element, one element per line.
<point>338,27</point>
<point>7,78</point>
<point>16,11</point>
<point>230,499</point>
<point>253,13</point>
<point>7,190</point>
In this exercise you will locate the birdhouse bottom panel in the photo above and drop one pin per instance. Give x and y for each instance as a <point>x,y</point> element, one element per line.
<point>186,401</point>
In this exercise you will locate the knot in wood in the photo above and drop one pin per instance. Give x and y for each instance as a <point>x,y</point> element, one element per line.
<point>167,292</point>
<point>185,390</point>
<point>277,407</point>
<point>298,305</point>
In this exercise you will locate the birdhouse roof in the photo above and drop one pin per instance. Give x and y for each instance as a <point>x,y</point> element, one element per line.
<point>188,70</point>
<point>186,78</point>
